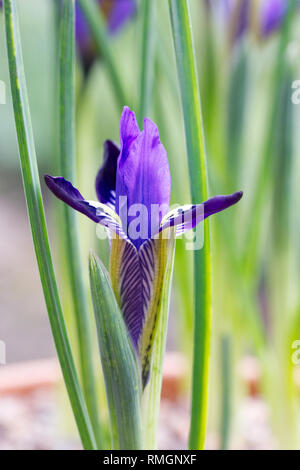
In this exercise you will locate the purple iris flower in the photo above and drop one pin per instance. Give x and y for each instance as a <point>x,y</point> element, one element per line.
<point>239,12</point>
<point>272,13</point>
<point>117,13</point>
<point>133,188</point>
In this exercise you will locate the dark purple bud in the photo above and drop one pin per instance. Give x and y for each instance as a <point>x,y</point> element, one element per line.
<point>117,14</point>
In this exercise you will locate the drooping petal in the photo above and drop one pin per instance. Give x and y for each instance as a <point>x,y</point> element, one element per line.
<point>143,178</point>
<point>189,216</point>
<point>106,177</point>
<point>99,213</point>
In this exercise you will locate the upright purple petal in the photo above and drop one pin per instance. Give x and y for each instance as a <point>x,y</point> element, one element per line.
<point>106,177</point>
<point>129,131</point>
<point>143,177</point>
<point>84,41</point>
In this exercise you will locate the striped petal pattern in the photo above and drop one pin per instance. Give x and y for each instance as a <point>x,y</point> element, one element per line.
<point>160,251</point>
<point>137,280</point>
<point>125,274</point>
<point>187,217</point>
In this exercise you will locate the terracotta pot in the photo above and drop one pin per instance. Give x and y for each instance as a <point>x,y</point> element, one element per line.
<point>26,377</point>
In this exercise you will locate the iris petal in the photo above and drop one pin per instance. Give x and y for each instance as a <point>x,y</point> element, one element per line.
<point>119,14</point>
<point>106,177</point>
<point>143,177</point>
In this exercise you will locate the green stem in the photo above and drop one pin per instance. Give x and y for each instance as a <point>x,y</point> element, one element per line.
<point>147,58</point>
<point>72,245</point>
<point>97,26</point>
<point>225,374</point>
<point>185,58</point>
<point>38,223</point>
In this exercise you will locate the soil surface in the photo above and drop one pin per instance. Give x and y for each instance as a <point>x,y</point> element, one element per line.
<point>33,422</point>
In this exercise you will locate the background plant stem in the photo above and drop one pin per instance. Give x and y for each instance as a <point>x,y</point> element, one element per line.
<point>152,393</point>
<point>38,224</point>
<point>147,58</point>
<point>97,27</point>
<point>225,393</point>
<point>186,66</point>
<point>72,245</point>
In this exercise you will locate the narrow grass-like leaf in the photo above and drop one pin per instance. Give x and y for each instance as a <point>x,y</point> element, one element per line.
<point>119,363</point>
<point>97,26</point>
<point>38,224</point>
<point>72,245</point>
<point>262,181</point>
<point>147,58</point>
<point>225,390</point>
<point>185,58</point>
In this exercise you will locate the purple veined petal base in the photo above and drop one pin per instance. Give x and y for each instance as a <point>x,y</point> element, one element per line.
<point>107,174</point>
